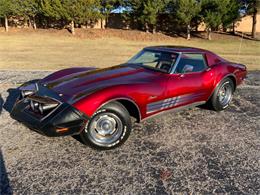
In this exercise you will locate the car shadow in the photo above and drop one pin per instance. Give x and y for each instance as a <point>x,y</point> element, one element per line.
<point>11,98</point>
<point>5,187</point>
<point>206,107</point>
<point>77,138</point>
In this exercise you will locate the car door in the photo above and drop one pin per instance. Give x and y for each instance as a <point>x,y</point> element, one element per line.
<point>191,81</point>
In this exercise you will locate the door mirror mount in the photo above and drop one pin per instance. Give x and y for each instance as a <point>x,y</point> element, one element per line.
<point>187,68</point>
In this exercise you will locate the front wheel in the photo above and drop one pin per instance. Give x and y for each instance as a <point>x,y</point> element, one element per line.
<point>108,128</point>
<point>222,95</point>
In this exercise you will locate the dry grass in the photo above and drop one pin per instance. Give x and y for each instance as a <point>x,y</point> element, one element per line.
<point>50,50</point>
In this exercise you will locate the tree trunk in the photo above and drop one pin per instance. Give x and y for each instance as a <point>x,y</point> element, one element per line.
<point>29,23</point>
<point>34,24</point>
<point>72,29</point>
<point>154,28</point>
<point>6,24</point>
<point>234,28</point>
<point>254,23</point>
<point>146,27</point>
<point>209,33</point>
<point>224,29</point>
<point>102,23</point>
<point>188,31</point>
<point>106,21</point>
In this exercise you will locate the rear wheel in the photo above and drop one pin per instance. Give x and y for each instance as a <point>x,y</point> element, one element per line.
<point>108,128</point>
<point>222,95</point>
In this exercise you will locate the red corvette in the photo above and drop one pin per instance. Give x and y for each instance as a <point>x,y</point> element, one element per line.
<point>98,104</point>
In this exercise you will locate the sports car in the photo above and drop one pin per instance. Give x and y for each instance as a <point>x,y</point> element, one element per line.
<point>101,104</point>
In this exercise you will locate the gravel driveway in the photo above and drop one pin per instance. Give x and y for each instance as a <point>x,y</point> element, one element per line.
<point>196,150</point>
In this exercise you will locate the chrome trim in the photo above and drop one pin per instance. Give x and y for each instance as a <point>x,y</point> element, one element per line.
<point>176,63</point>
<point>123,98</point>
<point>105,129</point>
<point>176,109</point>
<point>179,58</point>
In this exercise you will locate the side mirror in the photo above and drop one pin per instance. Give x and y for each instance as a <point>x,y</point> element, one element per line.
<point>187,68</point>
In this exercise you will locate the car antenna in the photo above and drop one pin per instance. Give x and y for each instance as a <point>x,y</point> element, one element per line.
<point>240,45</point>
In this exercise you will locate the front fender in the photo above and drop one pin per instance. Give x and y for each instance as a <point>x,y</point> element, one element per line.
<point>90,104</point>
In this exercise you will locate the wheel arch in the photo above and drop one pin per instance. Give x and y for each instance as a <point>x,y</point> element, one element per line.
<point>230,76</point>
<point>129,104</point>
<point>233,78</point>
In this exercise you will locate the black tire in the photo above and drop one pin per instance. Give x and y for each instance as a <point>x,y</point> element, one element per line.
<point>215,100</point>
<point>108,128</point>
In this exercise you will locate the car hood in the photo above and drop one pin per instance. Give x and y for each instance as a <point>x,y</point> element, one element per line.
<point>79,84</point>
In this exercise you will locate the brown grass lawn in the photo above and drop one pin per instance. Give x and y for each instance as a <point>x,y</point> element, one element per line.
<point>56,49</point>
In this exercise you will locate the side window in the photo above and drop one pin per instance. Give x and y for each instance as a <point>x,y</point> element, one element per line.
<point>191,62</point>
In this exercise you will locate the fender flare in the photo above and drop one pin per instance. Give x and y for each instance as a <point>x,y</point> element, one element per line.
<point>123,98</point>
<point>218,83</point>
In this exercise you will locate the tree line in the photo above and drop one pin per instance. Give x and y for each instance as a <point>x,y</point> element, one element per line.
<point>214,14</point>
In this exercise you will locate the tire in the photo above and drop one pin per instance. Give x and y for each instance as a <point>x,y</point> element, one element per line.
<point>108,128</point>
<point>222,95</point>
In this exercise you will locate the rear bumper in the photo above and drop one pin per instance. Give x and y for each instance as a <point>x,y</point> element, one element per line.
<point>63,120</point>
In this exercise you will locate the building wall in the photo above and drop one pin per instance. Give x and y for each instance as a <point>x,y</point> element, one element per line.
<point>245,25</point>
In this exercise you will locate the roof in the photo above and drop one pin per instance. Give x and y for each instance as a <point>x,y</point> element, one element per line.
<point>173,48</point>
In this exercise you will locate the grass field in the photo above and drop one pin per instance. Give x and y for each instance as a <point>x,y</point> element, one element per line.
<point>43,50</point>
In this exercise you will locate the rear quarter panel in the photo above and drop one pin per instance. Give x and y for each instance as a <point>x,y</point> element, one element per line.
<point>226,69</point>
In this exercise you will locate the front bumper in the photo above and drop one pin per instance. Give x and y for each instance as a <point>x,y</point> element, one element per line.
<point>63,120</point>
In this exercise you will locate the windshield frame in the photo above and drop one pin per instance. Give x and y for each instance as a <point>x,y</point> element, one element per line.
<point>173,65</point>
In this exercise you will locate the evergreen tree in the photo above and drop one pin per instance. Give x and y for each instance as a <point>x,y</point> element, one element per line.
<point>106,7</point>
<point>150,13</point>
<point>6,10</point>
<point>232,15</point>
<point>212,12</point>
<point>186,11</point>
<point>52,9</point>
<point>145,11</point>
<point>71,11</point>
<point>29,9</point>
<point>253,7</point>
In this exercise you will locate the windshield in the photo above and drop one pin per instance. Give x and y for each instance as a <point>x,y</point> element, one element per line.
<point>157,60</point>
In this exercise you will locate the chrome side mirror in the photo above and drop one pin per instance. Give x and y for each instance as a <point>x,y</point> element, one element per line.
<point>187,68</point>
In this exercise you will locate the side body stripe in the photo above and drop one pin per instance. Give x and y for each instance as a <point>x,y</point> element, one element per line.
<point>171,102</point>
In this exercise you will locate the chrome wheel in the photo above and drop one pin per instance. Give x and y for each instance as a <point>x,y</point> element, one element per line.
<point>225,94</point>
<point>105,129</point>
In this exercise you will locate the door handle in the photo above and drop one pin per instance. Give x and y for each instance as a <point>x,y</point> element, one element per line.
<point>181,75</point>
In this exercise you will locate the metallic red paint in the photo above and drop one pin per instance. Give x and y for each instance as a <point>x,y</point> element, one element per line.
<point>87,89</point>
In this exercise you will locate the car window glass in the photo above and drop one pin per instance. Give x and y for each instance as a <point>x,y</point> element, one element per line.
<point>191,63</point>
<point>148,58</point>
<point>155,59</point>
